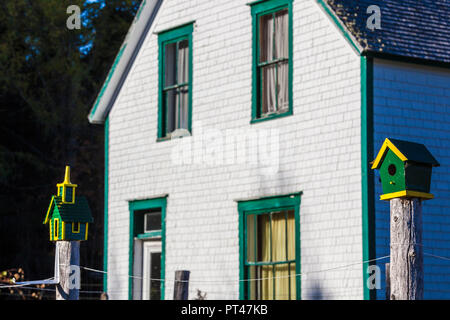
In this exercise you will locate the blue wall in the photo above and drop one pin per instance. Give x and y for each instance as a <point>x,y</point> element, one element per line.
<point>412,102</point>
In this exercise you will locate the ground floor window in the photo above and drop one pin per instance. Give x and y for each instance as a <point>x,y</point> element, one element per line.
<point>270,249</point>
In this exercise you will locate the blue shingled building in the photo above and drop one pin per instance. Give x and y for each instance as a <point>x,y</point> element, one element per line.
<point>408,80</point>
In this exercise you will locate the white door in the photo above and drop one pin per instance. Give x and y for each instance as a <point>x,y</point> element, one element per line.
<point>151,256</point>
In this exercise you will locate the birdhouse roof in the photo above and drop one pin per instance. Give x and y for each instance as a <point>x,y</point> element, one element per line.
<point>76,212</point>
<point>406,151</point>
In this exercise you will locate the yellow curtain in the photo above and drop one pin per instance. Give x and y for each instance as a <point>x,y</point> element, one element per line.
<point>279,280</point>
<point>251,254</point>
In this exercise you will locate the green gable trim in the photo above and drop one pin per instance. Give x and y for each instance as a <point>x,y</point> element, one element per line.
<point>108,78</point>
<point>141,8</point>
<point>259,8</point>
<point>259,206</point>
<point>143,205</point>
<point>340,26</point>
<point>105,209</point>
<point>368,182</point>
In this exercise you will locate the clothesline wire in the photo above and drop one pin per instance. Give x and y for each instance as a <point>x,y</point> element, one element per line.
<point>27,286</point>
<point>216,281</point>
<point>247,280</point>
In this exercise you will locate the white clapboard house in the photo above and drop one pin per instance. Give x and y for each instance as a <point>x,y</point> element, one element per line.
<point>238,142</point>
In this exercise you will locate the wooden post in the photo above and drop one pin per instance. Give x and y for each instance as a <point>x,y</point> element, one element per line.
<point>406,265</point>
<point>388,281</point>
<point>181,286</point>
<point>69,254</point>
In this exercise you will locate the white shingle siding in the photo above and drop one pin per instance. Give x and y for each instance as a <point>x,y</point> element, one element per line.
<point>319,153</point>
<point>412,102</point>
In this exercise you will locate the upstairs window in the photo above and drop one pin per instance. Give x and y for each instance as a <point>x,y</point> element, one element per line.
<point>175,96</point>
<point>272,59</point>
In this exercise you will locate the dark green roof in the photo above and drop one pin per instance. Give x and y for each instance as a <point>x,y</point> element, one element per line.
<point>415,152</point>
<point>79,211</point>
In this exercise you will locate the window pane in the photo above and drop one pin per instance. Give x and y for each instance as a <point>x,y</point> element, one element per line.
<point>282,34</point>
<point>266,38</point>
<point>278,236</point>
<point>170,107</point>
<point>282,282</point>
<point>285,288</point>
<point>182,110</point>
<point>183,62</point>
<point>283,86</point>
<point>268,86</point>
<point>291,235</point>
<point>251,250</point>
<point>264,255</point>
<point>155,273</point>
<point>152,220</point>
<point>170,65</point>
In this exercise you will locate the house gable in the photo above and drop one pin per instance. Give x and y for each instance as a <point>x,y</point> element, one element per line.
<point>124,60</point>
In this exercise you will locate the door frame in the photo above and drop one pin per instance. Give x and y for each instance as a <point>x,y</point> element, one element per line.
<point>137,233</point>
<point>152,247</point>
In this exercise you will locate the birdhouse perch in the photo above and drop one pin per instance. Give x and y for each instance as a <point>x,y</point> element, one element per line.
<point>405,169</point>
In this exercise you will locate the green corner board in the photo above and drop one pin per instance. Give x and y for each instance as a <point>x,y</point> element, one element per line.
<point>367,182</point>
<point>105,208</point>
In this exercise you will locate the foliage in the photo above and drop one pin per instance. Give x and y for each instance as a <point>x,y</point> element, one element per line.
<point>49,79</point>
<point>11,276</point>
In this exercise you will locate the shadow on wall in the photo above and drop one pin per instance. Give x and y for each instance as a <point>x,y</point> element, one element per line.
<point>315,292</point>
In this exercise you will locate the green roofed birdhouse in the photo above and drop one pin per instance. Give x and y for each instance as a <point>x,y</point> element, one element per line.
<point>68,215</point>
<point>405,169</point>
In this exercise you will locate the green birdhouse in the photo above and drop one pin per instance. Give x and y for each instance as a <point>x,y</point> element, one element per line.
<point>68,215</point>
<point>405,169</point>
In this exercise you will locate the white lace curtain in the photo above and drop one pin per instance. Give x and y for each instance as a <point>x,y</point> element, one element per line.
<point>274,45</point>
<point>177,73</point>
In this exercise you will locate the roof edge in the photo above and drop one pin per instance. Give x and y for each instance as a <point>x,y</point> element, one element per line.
<point>356,46</point>
<point>405,59</point>
<point>124,60</point>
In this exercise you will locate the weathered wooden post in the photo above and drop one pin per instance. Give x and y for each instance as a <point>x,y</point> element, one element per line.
<point>405,171</point>
<point>69,270</point>
<point>388,281</point>
<point>68,217</point>
<point>181,286</point>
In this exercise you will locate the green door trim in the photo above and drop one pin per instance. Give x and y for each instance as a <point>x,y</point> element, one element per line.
<point>142,205</point>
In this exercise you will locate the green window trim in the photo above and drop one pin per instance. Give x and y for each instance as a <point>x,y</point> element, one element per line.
<point>175,35</point>
<point>259,8</point>
<point>260,207</point>
<point>134,232</point>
